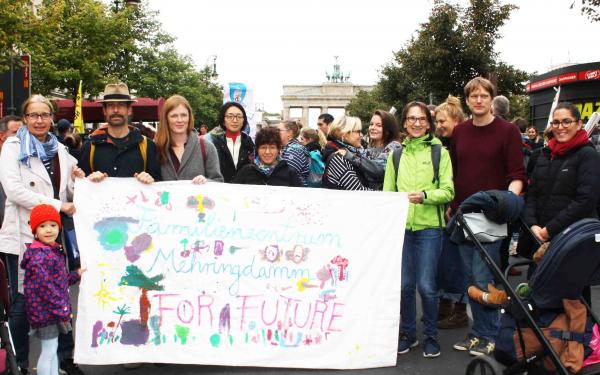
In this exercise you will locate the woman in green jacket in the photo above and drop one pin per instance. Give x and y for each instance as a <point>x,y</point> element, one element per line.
<point>427,196</point>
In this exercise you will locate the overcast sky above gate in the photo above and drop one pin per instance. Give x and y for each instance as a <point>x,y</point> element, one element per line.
<point>268,43</point>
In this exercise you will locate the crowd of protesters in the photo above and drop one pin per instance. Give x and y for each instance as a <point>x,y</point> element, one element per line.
<point>434,154</point>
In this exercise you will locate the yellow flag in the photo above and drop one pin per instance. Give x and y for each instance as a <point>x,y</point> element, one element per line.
<point>78,120</point>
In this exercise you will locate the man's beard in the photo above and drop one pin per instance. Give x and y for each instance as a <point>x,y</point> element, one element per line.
<point>111,123</point>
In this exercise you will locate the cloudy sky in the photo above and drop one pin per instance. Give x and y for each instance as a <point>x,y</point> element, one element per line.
<point>268,43</point>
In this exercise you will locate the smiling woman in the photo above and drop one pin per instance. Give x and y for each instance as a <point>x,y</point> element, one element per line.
<point>181,153</point>
<point>268,167</point>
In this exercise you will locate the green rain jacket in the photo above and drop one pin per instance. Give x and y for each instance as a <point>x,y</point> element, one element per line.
<point>415,173</point>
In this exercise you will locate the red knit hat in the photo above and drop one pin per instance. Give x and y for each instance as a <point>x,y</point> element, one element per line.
<point>41,213</point>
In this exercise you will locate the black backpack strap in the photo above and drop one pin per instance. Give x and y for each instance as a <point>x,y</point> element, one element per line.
<point>436,154</point>
<point>396,154</point>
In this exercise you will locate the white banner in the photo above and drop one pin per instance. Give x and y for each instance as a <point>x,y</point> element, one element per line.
<point>238,275</point>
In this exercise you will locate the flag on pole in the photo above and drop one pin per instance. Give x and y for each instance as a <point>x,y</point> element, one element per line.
<point>554,104</point>
<point>78,120</point>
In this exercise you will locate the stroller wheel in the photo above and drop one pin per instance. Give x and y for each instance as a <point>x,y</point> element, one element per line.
<point>484,365</point>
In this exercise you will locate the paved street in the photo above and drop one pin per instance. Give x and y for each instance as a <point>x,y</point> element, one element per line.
<point>450,362</point>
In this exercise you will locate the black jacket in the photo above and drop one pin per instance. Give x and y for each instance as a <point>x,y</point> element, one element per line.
<point>282,175</point>
<point>563,190</point>
<point>246,156</point>
<point>124,161</point>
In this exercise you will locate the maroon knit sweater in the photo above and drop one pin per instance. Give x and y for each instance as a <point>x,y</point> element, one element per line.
<point>485,158</point>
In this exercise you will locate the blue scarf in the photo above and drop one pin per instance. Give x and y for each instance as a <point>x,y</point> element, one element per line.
<point>264,168</point>
<point>32,147</point>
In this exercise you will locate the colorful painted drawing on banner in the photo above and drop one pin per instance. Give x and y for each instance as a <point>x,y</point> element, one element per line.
<point>168,269</point>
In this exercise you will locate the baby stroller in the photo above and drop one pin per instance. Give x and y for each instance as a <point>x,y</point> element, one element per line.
<point>8,361</point>
<point>570,263</point>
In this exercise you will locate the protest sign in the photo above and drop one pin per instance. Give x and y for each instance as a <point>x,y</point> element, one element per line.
<point>238,275</point>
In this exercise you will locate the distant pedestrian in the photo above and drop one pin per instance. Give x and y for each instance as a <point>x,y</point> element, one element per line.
<point>292,151</point>
<point>323,122</point>
<point>63,128</point>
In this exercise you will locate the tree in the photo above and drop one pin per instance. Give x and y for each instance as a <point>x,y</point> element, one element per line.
<point>453,46</point>
<point>14,17</point>
<point>590,8</point>
<point>364,104</point>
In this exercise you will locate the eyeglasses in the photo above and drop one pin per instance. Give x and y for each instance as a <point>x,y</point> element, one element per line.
<point>35,115</point>
<point>565,123</point>
<point>412,120</point>
<point>234,117</point>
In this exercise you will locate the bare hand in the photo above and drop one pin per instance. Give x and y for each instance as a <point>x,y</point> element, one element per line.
<point>341,151</point>
<point>77,173</point>
<point>144,177</point>
<point>67,208</point>
<point>80,271</point>
<point>416,197</point>
<point>97,176</point>
<point>540,233</point>
<point>199,180</point>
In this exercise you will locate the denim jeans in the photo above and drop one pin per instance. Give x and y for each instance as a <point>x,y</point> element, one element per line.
<point>451,280</point>
<point>19,325</point>
<point>420,257</point>
<point>485,319</point>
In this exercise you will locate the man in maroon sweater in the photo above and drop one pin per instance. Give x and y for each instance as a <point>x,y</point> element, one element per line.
<point>486,155</point>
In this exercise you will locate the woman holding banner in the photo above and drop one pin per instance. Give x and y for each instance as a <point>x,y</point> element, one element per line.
<point>268,168</point>
<point>234,147</point>
<point>427,179</point>
<point>36,168</point>
<point>182,154</point>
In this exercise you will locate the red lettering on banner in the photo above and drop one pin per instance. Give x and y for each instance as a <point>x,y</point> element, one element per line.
<point>567,78</point>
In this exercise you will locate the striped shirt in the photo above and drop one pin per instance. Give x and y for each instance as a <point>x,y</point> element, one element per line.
<point>297,158</point>
<point>340,172</point>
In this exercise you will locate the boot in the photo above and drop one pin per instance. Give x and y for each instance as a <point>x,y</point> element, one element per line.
<point>445,308</point>
<point>494,297</point>
<point>458,319</point>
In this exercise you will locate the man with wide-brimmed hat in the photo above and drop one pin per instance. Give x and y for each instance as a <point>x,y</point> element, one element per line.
<point>118,149</point>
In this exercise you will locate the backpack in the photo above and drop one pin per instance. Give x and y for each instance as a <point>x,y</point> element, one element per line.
<point>436,152</point>
<point>143,145</point>
<point>316,169</point>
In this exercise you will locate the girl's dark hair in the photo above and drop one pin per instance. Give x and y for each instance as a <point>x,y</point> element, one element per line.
<point>268,136</point>
<point>569,107</point>
<point>224,109</point>
<point>390,126</point>
<point>425,110</point>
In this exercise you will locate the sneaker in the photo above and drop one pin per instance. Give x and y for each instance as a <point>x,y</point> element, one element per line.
<point>484,347</point>
<point>68,367</point>
<point>458,319</point>
<point>467,344</point>
<point>406,343</point>
<point>431,348</point>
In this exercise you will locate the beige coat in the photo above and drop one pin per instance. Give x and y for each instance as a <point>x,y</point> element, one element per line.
<point>25,188</point>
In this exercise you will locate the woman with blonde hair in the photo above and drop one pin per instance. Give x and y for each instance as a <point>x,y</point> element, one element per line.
<point>447,116</point>
<point>182,154</point>
<point>36,168</point>
<point>452,282</point>
<point>292,151</point>
<point>344,136</point>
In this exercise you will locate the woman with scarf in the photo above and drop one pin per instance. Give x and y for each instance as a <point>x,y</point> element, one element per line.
<point>422,246</point>
<point>268,167</point>
<point>565,182</point>
<point>383,139</point>
<point>234,147</point>
<point>343,138</point>
<point>36,168</point>
<point>181,153</point>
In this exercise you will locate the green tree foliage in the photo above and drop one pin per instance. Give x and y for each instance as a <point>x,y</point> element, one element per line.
<point>73,40</point>
<point>14,17</point>
<point>364,104</point>
<point>589,8</point>
<point>454,45</point>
